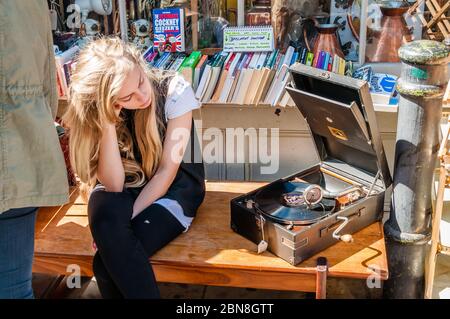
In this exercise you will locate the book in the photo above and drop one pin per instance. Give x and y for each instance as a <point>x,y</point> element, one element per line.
<point>303,55</point>
<point>382,87</point>
<point>288,56</point>
<point>215,73</point>
<point>341,69</point>
<point>247,78</point>
<point>348,68</point>
<point>321,59</point>
<point>326,60</point>
<point>363,73</point>
<point>278,61</point>
<point>198,71</point>
<point>281,90</point>
<point>294,58</point>
<point>268,73</point>
<point>151,58</point>
<point>316,58</point>
<point>309,58</point>
<point>161,59</point>
<point>178,62</point>
<point>63,78</point>
<point>149,52</point>
<point>205,77</point>
<point>277,85</point>
<point>223,77</point>
<point>169,61</point>
<point>394,98</point>
<point>168,29</point>
<point>238,78</point>
<point>188,66</point>
<point>335,67</point>
<point>255,81</point>
<point>230,77</point>
<point>243,74</point>
<point>330,64</point>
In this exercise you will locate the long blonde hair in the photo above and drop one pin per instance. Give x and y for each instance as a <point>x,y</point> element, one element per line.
<point>99,74</point>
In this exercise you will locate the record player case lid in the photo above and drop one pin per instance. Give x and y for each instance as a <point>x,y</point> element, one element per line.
<point>341,118</point>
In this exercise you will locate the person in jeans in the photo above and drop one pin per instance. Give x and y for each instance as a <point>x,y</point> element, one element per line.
<point>32,167</point>
<point>129,129</point>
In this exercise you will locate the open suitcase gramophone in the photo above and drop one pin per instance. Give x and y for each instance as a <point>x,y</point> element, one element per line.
<point>297,216</point>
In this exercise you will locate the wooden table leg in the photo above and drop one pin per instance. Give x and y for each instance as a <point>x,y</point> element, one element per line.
<point>321,278</point>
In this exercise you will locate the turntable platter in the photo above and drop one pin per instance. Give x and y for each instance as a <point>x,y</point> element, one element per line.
<point>287,203</point>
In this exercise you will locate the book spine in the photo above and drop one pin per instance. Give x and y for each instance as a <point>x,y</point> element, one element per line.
<point>267,59</point>
<point>278,61</point>
<point>304,54</point>
<point>341,66</point>
<point>309,58</point>
<point>335,64</point>
<point>326,60</point>
<point>294,58</point>
<point>183,37</point>
<point>274,58</point>
<point>320,58</point>
<point>316,59</point>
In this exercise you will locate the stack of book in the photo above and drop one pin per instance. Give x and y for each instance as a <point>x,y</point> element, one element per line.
<point>189,66</point>
<point>333,63</point>
<point>65,63</point>
<point>251,78</point>
<point>245,78</point>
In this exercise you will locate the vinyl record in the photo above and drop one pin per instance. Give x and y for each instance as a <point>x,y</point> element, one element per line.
<point>271,201</point>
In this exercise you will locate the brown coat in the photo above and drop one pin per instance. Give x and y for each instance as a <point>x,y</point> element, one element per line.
<point>32,169</point>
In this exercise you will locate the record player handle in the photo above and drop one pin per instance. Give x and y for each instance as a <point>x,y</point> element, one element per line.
<point>346,238</point>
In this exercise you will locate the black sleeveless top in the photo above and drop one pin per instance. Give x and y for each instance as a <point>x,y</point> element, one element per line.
<point>188,187</point>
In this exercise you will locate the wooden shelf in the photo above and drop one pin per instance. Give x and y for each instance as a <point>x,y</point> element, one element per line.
<point>210,51</point>
<point>234,105</point>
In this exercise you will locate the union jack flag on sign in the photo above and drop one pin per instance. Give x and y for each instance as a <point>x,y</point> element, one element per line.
<point>168,30</point>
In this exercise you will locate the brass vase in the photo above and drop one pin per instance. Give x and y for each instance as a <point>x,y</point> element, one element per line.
<point>383,44</point>
<point>326,40</point>
<point>393,33</point>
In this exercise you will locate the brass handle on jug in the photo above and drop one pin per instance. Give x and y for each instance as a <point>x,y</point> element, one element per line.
<point>316,24</point>
<point>305,34</point>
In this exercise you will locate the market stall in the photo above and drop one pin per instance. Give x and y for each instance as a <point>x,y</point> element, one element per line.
<point>240,56</point>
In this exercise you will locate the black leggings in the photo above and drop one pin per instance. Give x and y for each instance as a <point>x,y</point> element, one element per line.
<point>121,265</point>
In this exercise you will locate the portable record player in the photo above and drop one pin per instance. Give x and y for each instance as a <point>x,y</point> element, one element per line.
<point>297,216</point>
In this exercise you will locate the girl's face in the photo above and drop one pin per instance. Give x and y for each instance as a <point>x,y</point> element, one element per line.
<point>136,91</point>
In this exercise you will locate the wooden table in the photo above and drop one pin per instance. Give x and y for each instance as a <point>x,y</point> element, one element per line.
<point>210,253</point>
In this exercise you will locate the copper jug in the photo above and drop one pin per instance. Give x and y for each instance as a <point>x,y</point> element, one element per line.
<point>383,44</point>
<point>326,40</point>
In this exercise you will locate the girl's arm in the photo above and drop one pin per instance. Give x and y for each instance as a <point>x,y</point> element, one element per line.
<point>175,143</point>
<point>110,171</point>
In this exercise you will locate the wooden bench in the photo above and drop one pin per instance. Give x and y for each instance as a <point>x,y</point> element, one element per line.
<point>210,253</point>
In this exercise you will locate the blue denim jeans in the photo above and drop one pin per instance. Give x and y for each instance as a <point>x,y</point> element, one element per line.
<point>16,252</point>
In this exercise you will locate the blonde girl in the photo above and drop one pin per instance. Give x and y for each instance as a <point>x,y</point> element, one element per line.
<point>129,130</point>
